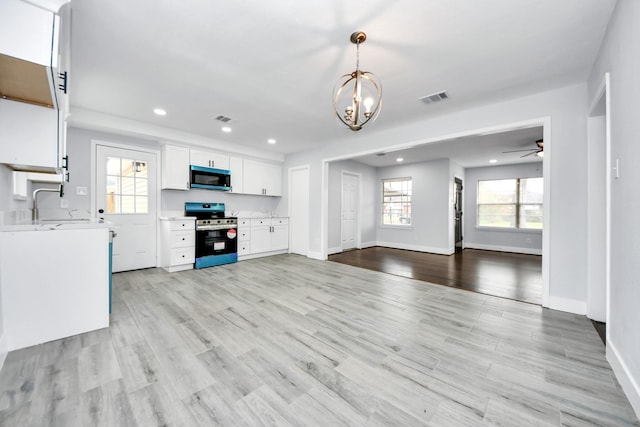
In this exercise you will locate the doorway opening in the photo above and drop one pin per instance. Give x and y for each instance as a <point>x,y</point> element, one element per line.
<point>457,214</point>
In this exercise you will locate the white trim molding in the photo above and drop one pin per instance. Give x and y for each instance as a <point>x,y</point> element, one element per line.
<point>514,249</point>
<point>334,250</point>
<point>417,248</point>
<point>4,349</point>
<point>316,255</point>
<point>567,305</point>
<point>623,375</point>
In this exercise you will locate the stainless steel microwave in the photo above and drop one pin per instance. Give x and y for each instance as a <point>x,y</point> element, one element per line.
<point>210,178</point>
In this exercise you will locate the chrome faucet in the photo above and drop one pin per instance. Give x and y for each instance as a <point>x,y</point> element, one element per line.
<point>34,213</point>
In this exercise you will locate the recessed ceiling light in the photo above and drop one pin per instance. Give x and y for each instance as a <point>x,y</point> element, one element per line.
<point>399,159</point>
<point>271,141</point>
<point>226,129</point>
<point>493,161</point>
<point>160,111</point>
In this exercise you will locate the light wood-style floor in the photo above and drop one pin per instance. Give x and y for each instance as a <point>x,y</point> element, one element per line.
<point>290,341</point>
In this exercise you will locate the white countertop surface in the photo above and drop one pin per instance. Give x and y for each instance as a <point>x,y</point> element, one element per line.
<point>21,221</point>
<point>176,218</point>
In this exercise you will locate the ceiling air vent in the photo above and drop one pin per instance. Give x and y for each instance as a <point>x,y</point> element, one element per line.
<point>435,97</point>
<point>223,119</point>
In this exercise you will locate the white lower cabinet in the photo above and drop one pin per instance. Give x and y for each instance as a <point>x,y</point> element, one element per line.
<point>178,244</point>
<point>244,237</point>
<point>55,283</point>
<point>262,237</point>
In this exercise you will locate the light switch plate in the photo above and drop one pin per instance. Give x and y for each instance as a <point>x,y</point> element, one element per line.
<point>81,191</point>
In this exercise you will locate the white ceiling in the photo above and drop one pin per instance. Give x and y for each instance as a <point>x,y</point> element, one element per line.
<point>469,152</point>
<point>271,65</point>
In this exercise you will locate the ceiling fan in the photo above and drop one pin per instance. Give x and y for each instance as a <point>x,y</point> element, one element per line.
<point>538,151</point>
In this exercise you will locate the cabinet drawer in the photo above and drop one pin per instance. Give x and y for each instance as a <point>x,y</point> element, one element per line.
<point>183,225</point>
<point>244,248</point>
<point>182,256</point>
<point>260,221</point>
<point>181,239</point>
<point>244,222</point>
<point>244,234</point>
<point>279,221</point>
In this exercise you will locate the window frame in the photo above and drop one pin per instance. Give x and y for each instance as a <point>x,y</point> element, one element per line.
<point>404,203</point>
<point>518,204</point>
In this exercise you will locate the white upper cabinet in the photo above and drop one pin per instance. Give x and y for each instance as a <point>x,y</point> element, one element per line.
<point>209,159</point>
<point>236,166</point>
<point>28,32</point>
<point>28,136</point>
<point>175,167</point>
<point>34,43</point>
<point>262,178</point>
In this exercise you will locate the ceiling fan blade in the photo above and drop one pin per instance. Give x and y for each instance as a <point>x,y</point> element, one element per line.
<point>529,154</point>
<point>517,151</point>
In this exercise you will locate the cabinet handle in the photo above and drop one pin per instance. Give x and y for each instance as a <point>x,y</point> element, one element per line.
<point>63,86</point>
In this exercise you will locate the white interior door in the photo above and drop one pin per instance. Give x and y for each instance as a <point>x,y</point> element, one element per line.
<point>299,210</point>
<point>349,223</point>
<point>598,206</point>
<point>126,197</point>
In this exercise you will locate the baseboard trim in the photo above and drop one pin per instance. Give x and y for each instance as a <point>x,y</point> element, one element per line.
<point>316,255</point>
<point>335,250</point>
<point>365,245</point>
<point>514,249</point>
<point>627,382</point>
<point>568,305</point>
<point>417,248</point>
<point>261,255</point>
<point>4,346</point>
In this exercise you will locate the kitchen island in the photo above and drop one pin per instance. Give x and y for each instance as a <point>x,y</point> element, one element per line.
<point>54,280</point>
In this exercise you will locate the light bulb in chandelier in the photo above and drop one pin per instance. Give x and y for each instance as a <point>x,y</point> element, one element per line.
<point>360,91</point>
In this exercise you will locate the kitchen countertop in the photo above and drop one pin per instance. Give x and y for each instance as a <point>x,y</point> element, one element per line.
<point>21,221</point>
<point>176,218</point>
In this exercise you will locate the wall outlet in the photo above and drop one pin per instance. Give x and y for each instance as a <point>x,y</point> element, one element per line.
<point>64,204</point>
<point>81,191</point>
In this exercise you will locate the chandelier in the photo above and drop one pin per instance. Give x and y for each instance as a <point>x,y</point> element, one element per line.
<point>357,97</point>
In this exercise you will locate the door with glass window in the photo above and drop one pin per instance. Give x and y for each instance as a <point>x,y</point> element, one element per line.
<point>126,197</point>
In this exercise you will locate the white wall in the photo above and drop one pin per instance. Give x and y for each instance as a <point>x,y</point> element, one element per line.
<point>620,56</point>
<point>430,202</point>
<point>523,241</point>
<point>368,207</point>
<point>565,142</point>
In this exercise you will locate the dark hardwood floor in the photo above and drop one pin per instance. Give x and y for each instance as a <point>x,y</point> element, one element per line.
<point>502,274</point>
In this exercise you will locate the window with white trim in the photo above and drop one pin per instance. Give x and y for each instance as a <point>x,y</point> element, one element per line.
<point>510,203</point>
<point>127,186</point>
<point>396,201</point>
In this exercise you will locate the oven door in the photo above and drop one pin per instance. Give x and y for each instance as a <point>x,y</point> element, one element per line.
<point>216,242</point>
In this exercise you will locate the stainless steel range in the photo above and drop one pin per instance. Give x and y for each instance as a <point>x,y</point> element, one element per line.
<point>216,234</point>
